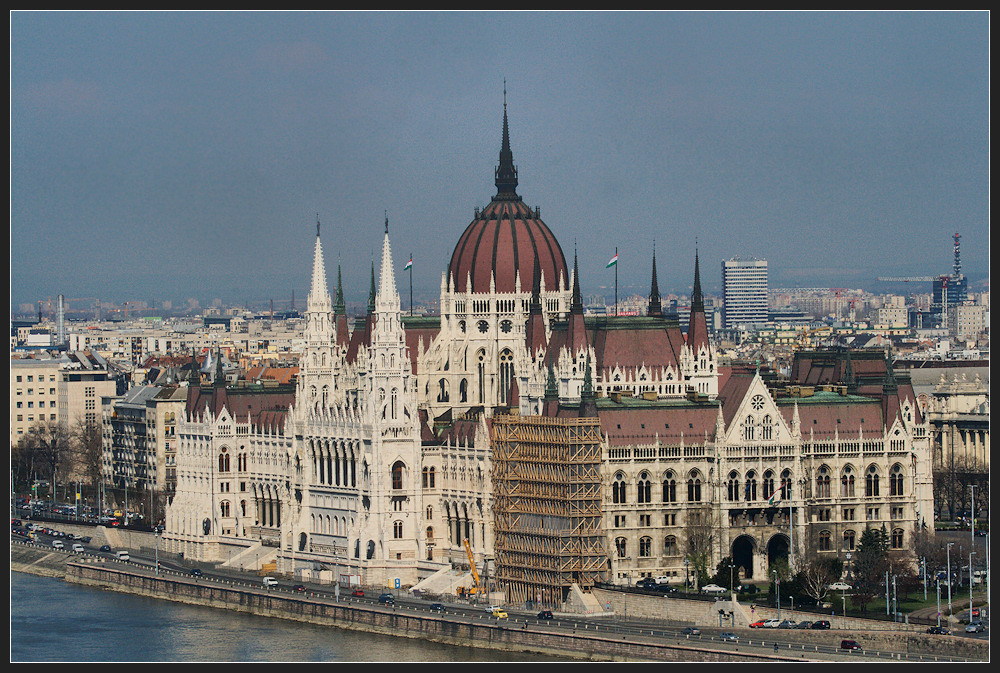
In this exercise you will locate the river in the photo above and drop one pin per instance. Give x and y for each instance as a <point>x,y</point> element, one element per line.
<point>53,620</point>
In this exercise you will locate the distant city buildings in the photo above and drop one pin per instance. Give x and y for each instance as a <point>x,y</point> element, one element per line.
<point>744,292</point>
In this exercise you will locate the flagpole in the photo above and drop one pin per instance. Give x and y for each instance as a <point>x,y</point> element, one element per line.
<point>616,281</point>
<point>411,284</point>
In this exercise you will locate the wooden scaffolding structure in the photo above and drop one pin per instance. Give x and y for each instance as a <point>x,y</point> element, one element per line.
<point>549,533</point>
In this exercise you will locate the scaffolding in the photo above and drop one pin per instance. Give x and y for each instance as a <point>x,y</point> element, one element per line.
<point>549,533</point>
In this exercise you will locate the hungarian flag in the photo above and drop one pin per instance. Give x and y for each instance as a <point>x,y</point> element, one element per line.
<point>408,264</point>
<point>775,498</point>
<point>614,260</point>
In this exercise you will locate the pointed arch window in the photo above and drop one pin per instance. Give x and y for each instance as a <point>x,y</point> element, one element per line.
<point>669,488</point>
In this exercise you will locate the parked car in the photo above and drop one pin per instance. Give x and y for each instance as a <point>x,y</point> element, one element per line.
<point>786,624</point>
<point>691,631</point>
<point>805,624</point>
<point>939,630</point>
<point>975,627</point>
<point>850,645</point>
<point>358,593</point>
<point>821,624</point>
<point>747,589</point>
<point>646,583</point>
<point>757,624</point>
<point>726,635</point>
<point>771,623</point>
<point>841,586</point>
<point>545,614</point>
<point>436,607</point>
<point>714,589</point>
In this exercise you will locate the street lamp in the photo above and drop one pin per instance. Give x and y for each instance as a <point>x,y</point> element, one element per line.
<point>686,576</point>
<point>777,591</point>
<point>731,587</point>
<point>948,574</point>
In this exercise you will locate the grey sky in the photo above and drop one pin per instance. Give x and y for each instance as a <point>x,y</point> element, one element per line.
<point>161,156</point>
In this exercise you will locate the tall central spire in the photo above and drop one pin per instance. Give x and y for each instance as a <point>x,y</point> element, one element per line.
<point>506,172</point>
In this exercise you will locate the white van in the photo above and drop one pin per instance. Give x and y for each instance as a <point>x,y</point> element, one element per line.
<point>77,547</point>
<point>122,555</point>
<point>57,544</point>
<point>270,582</point>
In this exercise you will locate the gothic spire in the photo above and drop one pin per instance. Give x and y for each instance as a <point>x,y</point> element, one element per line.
<point>655,307</point>
<point>505,177</point>
<point>577,304</point>
<point>697,301</point>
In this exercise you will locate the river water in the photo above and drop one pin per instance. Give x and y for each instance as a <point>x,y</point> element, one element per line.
<point>53,620</point>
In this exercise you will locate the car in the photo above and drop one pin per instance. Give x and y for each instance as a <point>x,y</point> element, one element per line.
<point>771,623</point>
<point>805,624</point>
<point>939,630</point>
<point>850,645</point>
<point>974,627</point>
<point>786,624</point>
<point>646,583</point>
<point>840,586</point>
<point>714,589</point>
<point>195,572</point>
<point>726,635</point>
<point>387,599</point>
<point>359,593</point>
<point>545,614</point>
<point>691,631</point>
<point>821,624</point>
<point>105,547</point>
<point>77,547</point>
<point>436,607</point>
<point>299,587</point>
<point>491,608</point>
<point>666,589</point>
<point>757,624</point>
<point>747,589</point>
<point>57,544</point>
<point>270,582</point>
<point>499,613</point>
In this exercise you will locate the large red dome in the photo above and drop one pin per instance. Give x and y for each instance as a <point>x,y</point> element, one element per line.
<point>506,239</point>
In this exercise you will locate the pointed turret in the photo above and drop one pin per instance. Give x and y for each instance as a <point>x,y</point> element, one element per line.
<point>535,329</point>
<point>655,307</point>
<point>340,314</point>
<point>577,336</point>
<point>697,336</point>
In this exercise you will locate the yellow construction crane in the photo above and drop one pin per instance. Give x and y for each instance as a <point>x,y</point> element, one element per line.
<point>475,575</point>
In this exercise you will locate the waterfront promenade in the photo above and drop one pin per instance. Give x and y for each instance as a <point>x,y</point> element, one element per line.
<point>461,625</point>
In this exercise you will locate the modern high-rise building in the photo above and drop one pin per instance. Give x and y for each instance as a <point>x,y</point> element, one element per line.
<point>744,292</point>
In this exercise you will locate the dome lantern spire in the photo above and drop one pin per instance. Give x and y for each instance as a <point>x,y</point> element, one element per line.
<point>506,173</point>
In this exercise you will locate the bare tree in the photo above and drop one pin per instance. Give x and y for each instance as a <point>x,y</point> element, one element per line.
<point>46,448</point>
<point>698,542</point>
<point>87,447</point>
<point>817,576</point>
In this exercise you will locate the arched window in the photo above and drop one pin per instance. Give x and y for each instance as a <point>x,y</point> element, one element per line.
<point>506,375</point>
<point>397,530</point>
<point>824,541</point>
<point>823,483</point>
<point>670,546</point>
<point>847,482</point>
<point>733,487</point>
<point>643,490</point>
<point>645,546</point>
<point>618,490</point>
<point>871,482</point>
<point>896,480</point>
<point>669,488</point>
<point>224,461</point>
<point>849,540</point>
<point>694,487</point>
<point>397,475</point>
<point>620,547</point>
<point>768,484</point>
<point>749,426</point>
<point>750,491</point>
<point>897,538</point>
<point>786,484</point>
<point>224,508</point>
<point>766,427</point>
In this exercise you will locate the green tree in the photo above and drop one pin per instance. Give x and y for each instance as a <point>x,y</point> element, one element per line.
<point>870,563</point>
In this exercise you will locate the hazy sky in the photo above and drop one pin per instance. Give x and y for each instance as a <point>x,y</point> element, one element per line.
<point>161,156</point>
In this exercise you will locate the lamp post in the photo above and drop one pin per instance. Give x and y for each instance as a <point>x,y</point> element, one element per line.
<point>948,561</point>
<point>156,548</point>
<point>777,591</point>
<point>686,576</point>
<point>731,587</point>
<point>971,576</point>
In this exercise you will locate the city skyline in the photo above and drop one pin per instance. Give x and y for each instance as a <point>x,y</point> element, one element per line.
<point>167,155</point>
